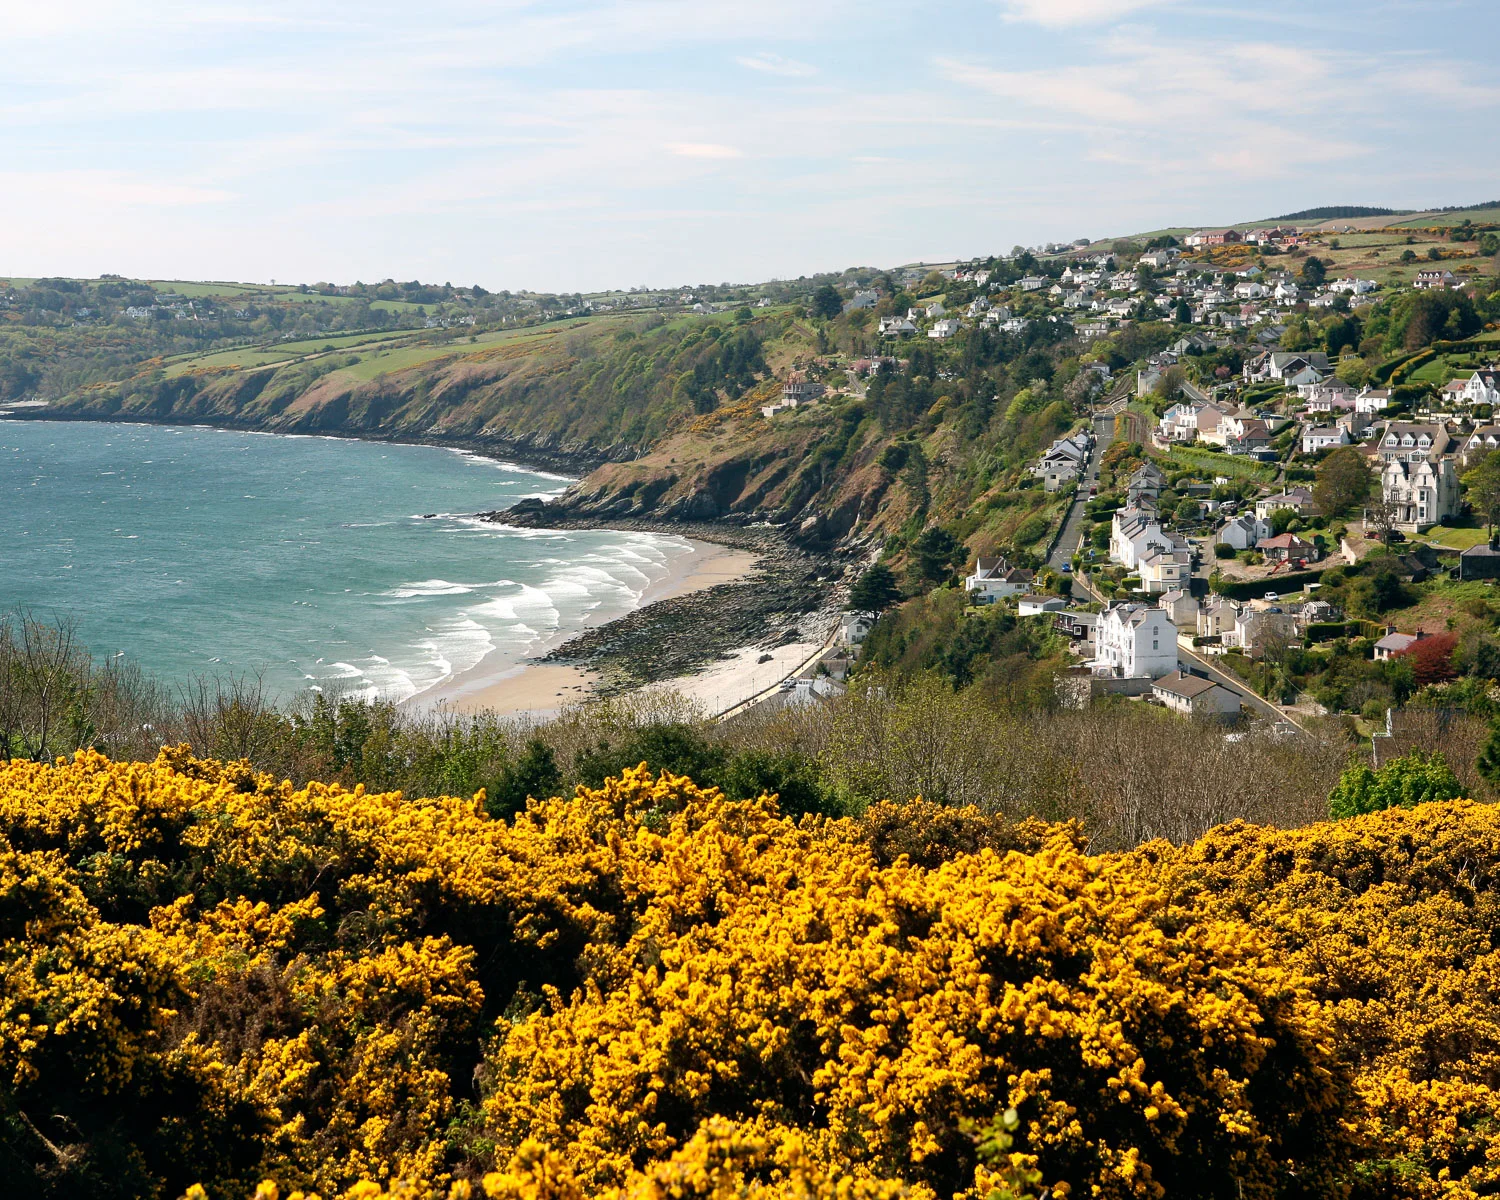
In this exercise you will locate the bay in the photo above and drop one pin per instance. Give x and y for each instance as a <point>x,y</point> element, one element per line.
<point>309,562</point>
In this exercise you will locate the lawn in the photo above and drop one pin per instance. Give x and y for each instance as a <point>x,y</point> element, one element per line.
<point>1456,537</point>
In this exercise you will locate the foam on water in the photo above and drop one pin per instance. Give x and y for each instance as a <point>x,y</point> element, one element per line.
<point>300,560</point>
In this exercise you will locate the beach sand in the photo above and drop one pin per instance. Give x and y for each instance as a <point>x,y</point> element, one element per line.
<point>543,689</point>
<point>732,681</point>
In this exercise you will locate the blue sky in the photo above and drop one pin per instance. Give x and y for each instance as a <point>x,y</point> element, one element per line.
<point>581,144</point>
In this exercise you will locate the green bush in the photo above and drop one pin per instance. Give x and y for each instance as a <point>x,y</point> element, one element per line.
<point>1403,782</point>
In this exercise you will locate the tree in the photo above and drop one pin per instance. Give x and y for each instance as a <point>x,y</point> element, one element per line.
<point>1343,480</point>
<point>827,303</point>
<point>933,554</point>
<point>1403,782</point>
<point>1431,659</point>
<point>875,590</point>
<point>1408,256</point>
<point>1483,486</point>
<point>1181,313</point>
<point>1281,518</point>
<point>1488,762</point>
<point>1187,511</point>
<point>1380,518</point>
<point>1314,271</point>
<point>533,775</point>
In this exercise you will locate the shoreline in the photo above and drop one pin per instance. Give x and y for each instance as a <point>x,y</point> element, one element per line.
<point>536,686</point>
<point>700,630</point>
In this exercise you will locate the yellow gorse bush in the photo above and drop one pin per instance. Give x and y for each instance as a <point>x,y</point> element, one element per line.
<point>213,979</point>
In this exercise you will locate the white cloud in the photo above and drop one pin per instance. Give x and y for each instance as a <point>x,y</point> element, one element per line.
<point>1059,14</point>
<point>102,189</point>
<point>774,64</point>
<point>703,150</point>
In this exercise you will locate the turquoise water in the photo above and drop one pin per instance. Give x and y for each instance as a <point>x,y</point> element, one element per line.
<point>304,560</point>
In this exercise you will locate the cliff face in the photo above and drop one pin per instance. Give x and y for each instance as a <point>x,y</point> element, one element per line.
<point>601,398</point>
<point>799,472</point>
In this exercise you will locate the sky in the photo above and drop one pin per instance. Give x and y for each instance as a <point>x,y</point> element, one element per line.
<point>576,145</point>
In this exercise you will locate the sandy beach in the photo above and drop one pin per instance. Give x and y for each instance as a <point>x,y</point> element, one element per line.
<point>542,689</point>
<point>733,680</point>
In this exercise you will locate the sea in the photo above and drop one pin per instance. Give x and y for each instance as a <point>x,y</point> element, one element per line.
<point>306,562</point>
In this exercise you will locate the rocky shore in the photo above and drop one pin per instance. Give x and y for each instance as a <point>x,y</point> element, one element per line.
<point>789,597</point>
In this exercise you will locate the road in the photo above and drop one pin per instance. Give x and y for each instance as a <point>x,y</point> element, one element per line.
<point>1234,683</point>
<point>1067,540</point>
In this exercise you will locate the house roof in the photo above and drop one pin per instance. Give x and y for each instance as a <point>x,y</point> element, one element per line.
<point>1187,686</point>
<point>1396,642</point>
<point>1283,541</point>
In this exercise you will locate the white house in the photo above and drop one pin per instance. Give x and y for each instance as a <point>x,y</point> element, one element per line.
<point>936,309</point>
<point>1253,628</point>
<point>1191,421</point>
<point>862,300</point>
<point>1482,387</point>
<point>855,627</point>
<point>1423,491</point>
<point>896,327</point>
<point>1298,499</point>
<point>1035,606</point>
<point>1134,641</point>
<point>1134,531</point>
<point>1395,643</point>
<point>944,329</point>
<point>1064,461</point>
<point>1243,532</point>
<point>1372,400</point>
<point>1195,696</point>
<point>1321,437</point>
<point>1217,616</point>
<point>1165,570</point>
<point>1484,440</point>
<point>994,579</point>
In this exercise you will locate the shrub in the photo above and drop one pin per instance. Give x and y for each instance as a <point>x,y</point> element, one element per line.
<point>1404,782</point>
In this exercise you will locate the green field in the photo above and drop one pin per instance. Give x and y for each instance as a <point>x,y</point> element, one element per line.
<point>268,355</point>
<point>1212,461</point>
<point>1480,216</point>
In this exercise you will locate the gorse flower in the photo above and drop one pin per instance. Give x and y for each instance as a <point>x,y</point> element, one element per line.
<point>649,990</point>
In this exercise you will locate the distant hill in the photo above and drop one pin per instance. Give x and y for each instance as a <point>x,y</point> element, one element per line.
<point>1337,212</point>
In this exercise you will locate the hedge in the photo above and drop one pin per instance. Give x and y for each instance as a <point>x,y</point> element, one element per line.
<point>1254,589</point>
